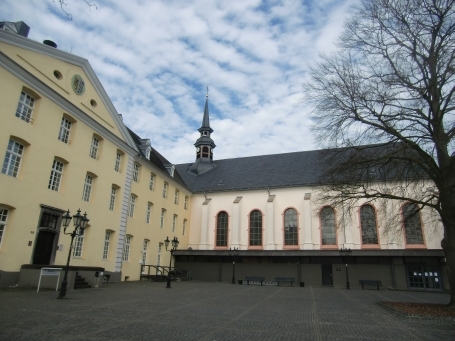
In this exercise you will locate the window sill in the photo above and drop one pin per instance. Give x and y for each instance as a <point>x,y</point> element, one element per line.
<point>415,246</point>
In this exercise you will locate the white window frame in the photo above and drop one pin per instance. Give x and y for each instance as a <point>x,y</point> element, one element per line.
<point>136,170</point>
<point>174,222</point>
<point>112,199</point>
<point>13,158</point>
<point>144,251</point>
<point>163,212</point>
<point>56,175</point>
<point>185,205</point>
<point>118,160</point>
<point>165,186</point>
<point>131,205</point>
<point>25,106</point>
<point>107,239</point>
<point>160,249</point>
<point>176,197</point>
<point>88,184</point>
<point>152,181</point>
<point>94,148</point>
<point>149,212</point>
<point>126,248</point>
<point>65,130</point>
<point>3,221</point>
<point>78,245</point>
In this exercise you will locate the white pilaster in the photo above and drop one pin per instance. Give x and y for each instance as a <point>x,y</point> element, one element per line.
<point>270,226</point>
<point>236,235</point>
<point>204,244</point>
<point>308,228</point>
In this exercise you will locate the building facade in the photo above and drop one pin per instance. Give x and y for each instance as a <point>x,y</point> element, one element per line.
<point>66,148</point>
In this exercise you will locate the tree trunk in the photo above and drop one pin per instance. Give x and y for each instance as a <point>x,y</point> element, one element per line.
<point>447,198</point>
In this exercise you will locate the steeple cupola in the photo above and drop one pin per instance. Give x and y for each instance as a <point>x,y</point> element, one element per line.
<point>204,144</point>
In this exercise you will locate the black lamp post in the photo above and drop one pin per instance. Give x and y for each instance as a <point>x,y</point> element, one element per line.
<point>344,252</point>
<point>233,253</point>
<point>175,244</point>
<point>80,223</point>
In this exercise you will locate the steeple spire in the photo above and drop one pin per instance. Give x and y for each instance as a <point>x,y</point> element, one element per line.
<point>204,144</point>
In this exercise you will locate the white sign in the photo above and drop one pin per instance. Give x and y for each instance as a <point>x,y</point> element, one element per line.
<point>49,272</point>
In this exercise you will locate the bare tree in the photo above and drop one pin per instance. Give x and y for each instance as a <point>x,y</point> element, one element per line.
<point>63,5</point>
<point>391,83</point>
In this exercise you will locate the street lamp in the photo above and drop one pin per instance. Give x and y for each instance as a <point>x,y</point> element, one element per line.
<point>80,223</point>
<point>175,244</point>
<point>233,253</point>
<point>344,252</point>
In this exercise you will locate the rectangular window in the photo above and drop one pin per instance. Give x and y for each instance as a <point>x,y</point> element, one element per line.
<point>13,158</point>
<point>107,239</point>
<point>163,211</point>
<point>149,212</point>
<point>165,190</point>
<point>126,248</point>
<point>136,172</point>
<point>78,244</point>
<point>176,197</point>
<point>65,128</point>
<point>160,248</point>
<point>185,206</point>
<point>144,251</point>
<point>94,148</point>
<point>184,226</point>
<point>87,188</point>
<point>3,220</point>
<point>56,175</point>
<point>152,181</point>
<point>174,222</point>
<point>113,195</point>
<point>118,160</point>
<point>25,107</point>
<point>131,205</point>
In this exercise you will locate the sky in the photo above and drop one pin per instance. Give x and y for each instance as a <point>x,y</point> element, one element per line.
<point>155,59</point>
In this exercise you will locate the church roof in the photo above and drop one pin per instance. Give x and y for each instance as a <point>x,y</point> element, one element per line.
<point>255,172</point>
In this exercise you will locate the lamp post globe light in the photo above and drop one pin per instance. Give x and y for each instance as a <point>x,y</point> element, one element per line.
<point>233,253</point>
<point>344,252</point>
<point>175,244</point>
<point>80,223</point>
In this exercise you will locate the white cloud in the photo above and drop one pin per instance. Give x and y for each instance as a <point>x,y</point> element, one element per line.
<point>154,58</point>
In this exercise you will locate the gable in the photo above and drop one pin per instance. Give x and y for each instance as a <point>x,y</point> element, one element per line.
<point>58,70</point>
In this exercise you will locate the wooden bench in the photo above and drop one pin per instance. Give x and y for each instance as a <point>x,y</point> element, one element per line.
<point>254,279</point>
<point>284,280</point>
<point>371,282</point>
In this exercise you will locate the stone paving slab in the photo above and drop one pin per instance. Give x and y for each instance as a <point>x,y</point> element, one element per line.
<point>213,312</point>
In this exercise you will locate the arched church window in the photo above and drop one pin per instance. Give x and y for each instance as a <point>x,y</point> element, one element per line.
<point>291,236</point>
<point>222,229</point>
<point>328,233</point>
<point>256,228</point>
<point>368,225</point>
<point>412,224</point>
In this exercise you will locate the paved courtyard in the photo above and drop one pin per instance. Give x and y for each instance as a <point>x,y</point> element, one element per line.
<point>213,311</point>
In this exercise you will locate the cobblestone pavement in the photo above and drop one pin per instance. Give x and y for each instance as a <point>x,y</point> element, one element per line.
<point>213,311</point>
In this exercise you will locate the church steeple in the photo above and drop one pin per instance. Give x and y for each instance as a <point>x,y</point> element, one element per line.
<point>204,144</point>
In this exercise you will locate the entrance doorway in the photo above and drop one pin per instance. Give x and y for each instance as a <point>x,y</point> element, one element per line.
<point>424,277</point>
<point>327,278</point>
<point>44,247</point>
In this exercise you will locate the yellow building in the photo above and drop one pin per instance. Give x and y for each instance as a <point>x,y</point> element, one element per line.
<point>66,147</point>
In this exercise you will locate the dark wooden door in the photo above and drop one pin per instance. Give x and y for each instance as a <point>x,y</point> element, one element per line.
<point>44,247</point>
<point>327,278</point>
